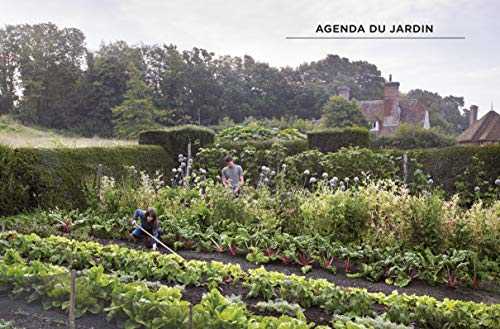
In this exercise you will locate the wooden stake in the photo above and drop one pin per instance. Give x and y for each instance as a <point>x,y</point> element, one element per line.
<point>72,301</point>
<point>190,316</point>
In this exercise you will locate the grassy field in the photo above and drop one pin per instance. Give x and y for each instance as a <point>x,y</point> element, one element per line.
<point>14,134</point>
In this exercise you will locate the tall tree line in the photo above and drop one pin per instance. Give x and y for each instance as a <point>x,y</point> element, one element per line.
<point>48,77</point>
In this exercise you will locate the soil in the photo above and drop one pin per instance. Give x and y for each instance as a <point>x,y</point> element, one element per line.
<point>32,316</point>
<point>488,292</point>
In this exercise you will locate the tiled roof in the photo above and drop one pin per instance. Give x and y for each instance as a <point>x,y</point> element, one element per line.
<point>487,129</point>
<point>373,110</point>
<point>412,111</point>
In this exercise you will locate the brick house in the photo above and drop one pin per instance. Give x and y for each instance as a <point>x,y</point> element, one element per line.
<point>386,115</point>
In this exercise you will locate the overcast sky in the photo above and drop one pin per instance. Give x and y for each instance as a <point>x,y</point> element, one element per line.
<point>469,68</point>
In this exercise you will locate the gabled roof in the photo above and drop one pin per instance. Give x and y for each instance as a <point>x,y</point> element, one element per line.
<point>487,129</point>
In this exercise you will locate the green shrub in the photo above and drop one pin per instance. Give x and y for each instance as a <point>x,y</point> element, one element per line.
<point>411,137</point>
<point>176,139</point>
<point>48,178</point>
<point>331,140</point>
<point>347,162</point>
<point>251,156</point>
<point>459,169</point>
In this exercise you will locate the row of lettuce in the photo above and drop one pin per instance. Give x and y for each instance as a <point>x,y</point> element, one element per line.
<point>141,305</point>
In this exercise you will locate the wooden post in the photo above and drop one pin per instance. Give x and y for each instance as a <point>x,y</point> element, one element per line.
<point>72,301</point>
<point>188,166</point>
<point>405,168</point>
<point>190,316</point>
<point>99,178</point>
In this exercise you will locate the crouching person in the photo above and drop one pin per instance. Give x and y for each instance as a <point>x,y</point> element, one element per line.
<point>149,223</point>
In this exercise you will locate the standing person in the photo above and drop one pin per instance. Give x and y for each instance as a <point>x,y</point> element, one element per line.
<point>149,223</point>
<point>232,175</point>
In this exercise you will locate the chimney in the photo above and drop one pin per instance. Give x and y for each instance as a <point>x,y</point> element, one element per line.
<point>344,91</point>
<point>473,114</point>
<point>391,97</point>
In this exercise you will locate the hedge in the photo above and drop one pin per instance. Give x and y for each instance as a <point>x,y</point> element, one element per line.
<point>48,178</point>
<point>176,139</point>
<point>412,137</point>
<point>468,164</point>
<point>331,140</point>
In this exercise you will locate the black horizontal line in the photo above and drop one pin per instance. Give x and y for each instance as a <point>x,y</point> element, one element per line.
<point>375,38</point>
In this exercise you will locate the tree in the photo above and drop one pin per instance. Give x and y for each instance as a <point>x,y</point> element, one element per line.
<point>137,112</point>
<point>340,112</point>
<point>104,86</point>
<point>9,64</point>
<point>444,111</point>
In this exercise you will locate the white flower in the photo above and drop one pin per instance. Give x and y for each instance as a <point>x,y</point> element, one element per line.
<point>174,170</point>
<point>307,172</point>
<point>263,168</point>
<point>346,179</point>
<point>312,180</point>
<point>335,179</point>
<point>203,171</point>
<point>477,189</point>
<point>356,179</point>
<point>325,175</point>
<point>430,181</point>
<point>273,173</point>
<point>497,182</point>
<point>266,180</point>
<point>333,182</point>
<point>183,165</point>
<point>283,166</point>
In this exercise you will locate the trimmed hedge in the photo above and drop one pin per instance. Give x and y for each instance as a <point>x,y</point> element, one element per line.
<point>48,178</point>
<point>412,137</point>
<point>449,165</point>
<point>176,139</point>
<point>331,140</point>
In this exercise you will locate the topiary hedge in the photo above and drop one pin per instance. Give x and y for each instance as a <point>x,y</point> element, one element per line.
<point>331,140</point>
<point>48,178</point>
<point>176,139</point>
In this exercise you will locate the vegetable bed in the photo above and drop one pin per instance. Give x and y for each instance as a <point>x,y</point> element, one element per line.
<point>423,312</point>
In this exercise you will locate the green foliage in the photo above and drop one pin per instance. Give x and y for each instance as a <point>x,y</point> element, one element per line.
<point>339,112</point>
<point>176,139</point>
<point>412,136</point>
<point>346,163</point>
<point>331,140</point>
<point>461,168</point>
<point>47,178</point>
<point>444,111</point>
<point>255,132</point>
<point>137,112</point>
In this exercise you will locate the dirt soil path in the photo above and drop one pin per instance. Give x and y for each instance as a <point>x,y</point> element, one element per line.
<point>32,316</point>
